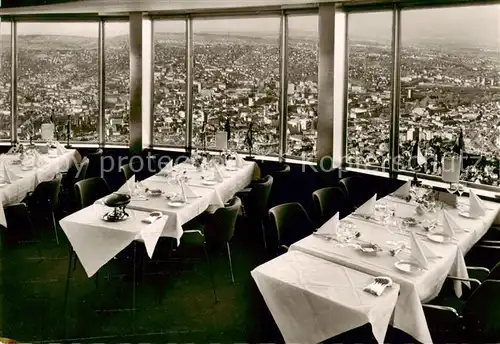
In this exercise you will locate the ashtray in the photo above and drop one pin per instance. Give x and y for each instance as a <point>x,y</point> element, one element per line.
<point>370,248</point>
<point>154,192</point>
<point>410,221</point>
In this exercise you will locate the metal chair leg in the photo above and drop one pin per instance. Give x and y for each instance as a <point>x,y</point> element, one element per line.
<point>230,262</point>
<point>55,227</point>
<point>211,273</point>
<point>134,281</point>
<point>263,234</point>
<point>68,277</point>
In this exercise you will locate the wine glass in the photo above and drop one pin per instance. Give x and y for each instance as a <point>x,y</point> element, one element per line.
<point>461,189</point>
<point>452,188</point>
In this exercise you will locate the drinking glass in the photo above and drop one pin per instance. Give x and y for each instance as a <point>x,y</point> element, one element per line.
<point>452,188</point>
<point>461,189</point>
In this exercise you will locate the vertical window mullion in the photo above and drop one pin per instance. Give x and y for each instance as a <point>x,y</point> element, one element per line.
<point>189,83</point>
<point>283,84</point>
<point>395,92</point>
<point>102,94</point>
<point>13,83</point>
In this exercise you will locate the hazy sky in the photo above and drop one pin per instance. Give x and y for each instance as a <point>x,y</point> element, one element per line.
<point>470,24</point>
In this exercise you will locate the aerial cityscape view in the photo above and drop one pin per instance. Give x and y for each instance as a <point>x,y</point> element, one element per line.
<point>449,82</point>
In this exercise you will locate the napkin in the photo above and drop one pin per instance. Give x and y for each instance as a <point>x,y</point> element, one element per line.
<point>330,227</point>
<point>187,192</point>
<point>417,251</point>
<point>218,174</point>
<point>167,169</point>
<point>403,191</point>
<point>368,208</point>
<point>239,161</point>
<point>60,148</point>
<point>151,233</point>
<point>39,160</point>
<point>476,208</point>
<point>8,175</point>
<point>420,157</point>
<point>128,187</point>
<point>449,225</point>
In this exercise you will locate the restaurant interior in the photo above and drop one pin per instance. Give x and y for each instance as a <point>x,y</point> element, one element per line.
<point>263,171</point>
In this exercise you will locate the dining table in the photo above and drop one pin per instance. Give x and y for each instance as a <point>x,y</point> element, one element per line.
<point>25,174</point>
<point>86,229</point>
<point>416,287</point>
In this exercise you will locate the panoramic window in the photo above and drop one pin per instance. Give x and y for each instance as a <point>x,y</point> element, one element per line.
<point>116,80</point>
<point>450,85</point>
<point>369,88</point>
<point>57,74</point>
<point>5,81</point>
<point>169,99</point>
<point>236,83</point>
<point>302,89</point>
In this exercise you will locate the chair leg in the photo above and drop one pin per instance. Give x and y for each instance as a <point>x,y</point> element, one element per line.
<point>68,277</point>
<point>230,262</point>
<point>211,273</point>
<point>263,234</point>
<point>55,227</point>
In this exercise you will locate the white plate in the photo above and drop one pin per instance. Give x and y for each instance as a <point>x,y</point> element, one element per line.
<point>407,266</point>
<point>175,204</point>
<point>26,168</point>
<point>439,238</point>
<point>231,168</point>
<point>466,214</point>
<point>209,182</point>
<point>3,184</point>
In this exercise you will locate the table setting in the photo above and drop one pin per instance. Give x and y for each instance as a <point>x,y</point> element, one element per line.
<point>411,237</point>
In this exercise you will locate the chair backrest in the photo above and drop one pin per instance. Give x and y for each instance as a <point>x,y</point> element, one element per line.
<point>19,225</point>
<point>90,190</point>
<point>327,202</point>
<point>289,223</point>
<point>95,164</point>
<point>126,171</point>
<point>356,189</point>
<point>279,191</point>
<point>482,311</point>
<point>46,194</point>
<point>258,199</point>
<point>219,226</point>
<point>81,174</point>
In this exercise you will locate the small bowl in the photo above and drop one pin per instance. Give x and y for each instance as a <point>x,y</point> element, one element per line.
<point>410,221</point>
<point>370,248</point>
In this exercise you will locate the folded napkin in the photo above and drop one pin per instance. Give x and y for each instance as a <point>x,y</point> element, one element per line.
<point>128,187</point>
<point>218,174</point>
<point>420,157</point>
<point>239,161</point>
<point>417,251</point>
<point>330,227</point>
<point>60,148</point>
<point>39,160</point>
<point>187,192</point>
<point>368,208</point>
<point>167,169</point>
<point>403,191</point>
<point>151,233</point>
<point>8,175</point>
<point>476,205</point>
<point>449,225</point>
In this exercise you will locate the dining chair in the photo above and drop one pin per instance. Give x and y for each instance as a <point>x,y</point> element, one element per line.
<point>289,223</point>
<point>19,225</point>
<point>74,174</point>
<point>219,227</point>
<point>90,190</point>
<point>356,190</point>
<point>196,238</point>
<point>95,164</point>
<point>327,202</point>
<point>475,320</point>
<point>255,202</point>
<point>44,199</point>
<point>127,172</point>
<point>280,190</point>
<point>82,170</point>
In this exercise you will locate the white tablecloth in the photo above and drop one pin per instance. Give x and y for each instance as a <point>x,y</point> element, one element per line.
<point>312,299</point>
<point>96,241</point>
<point>417,288</point>
<point>210,196</point>
<point>16,191</point>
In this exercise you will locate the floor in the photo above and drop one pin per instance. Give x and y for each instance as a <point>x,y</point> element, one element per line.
<point>174,297</point>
